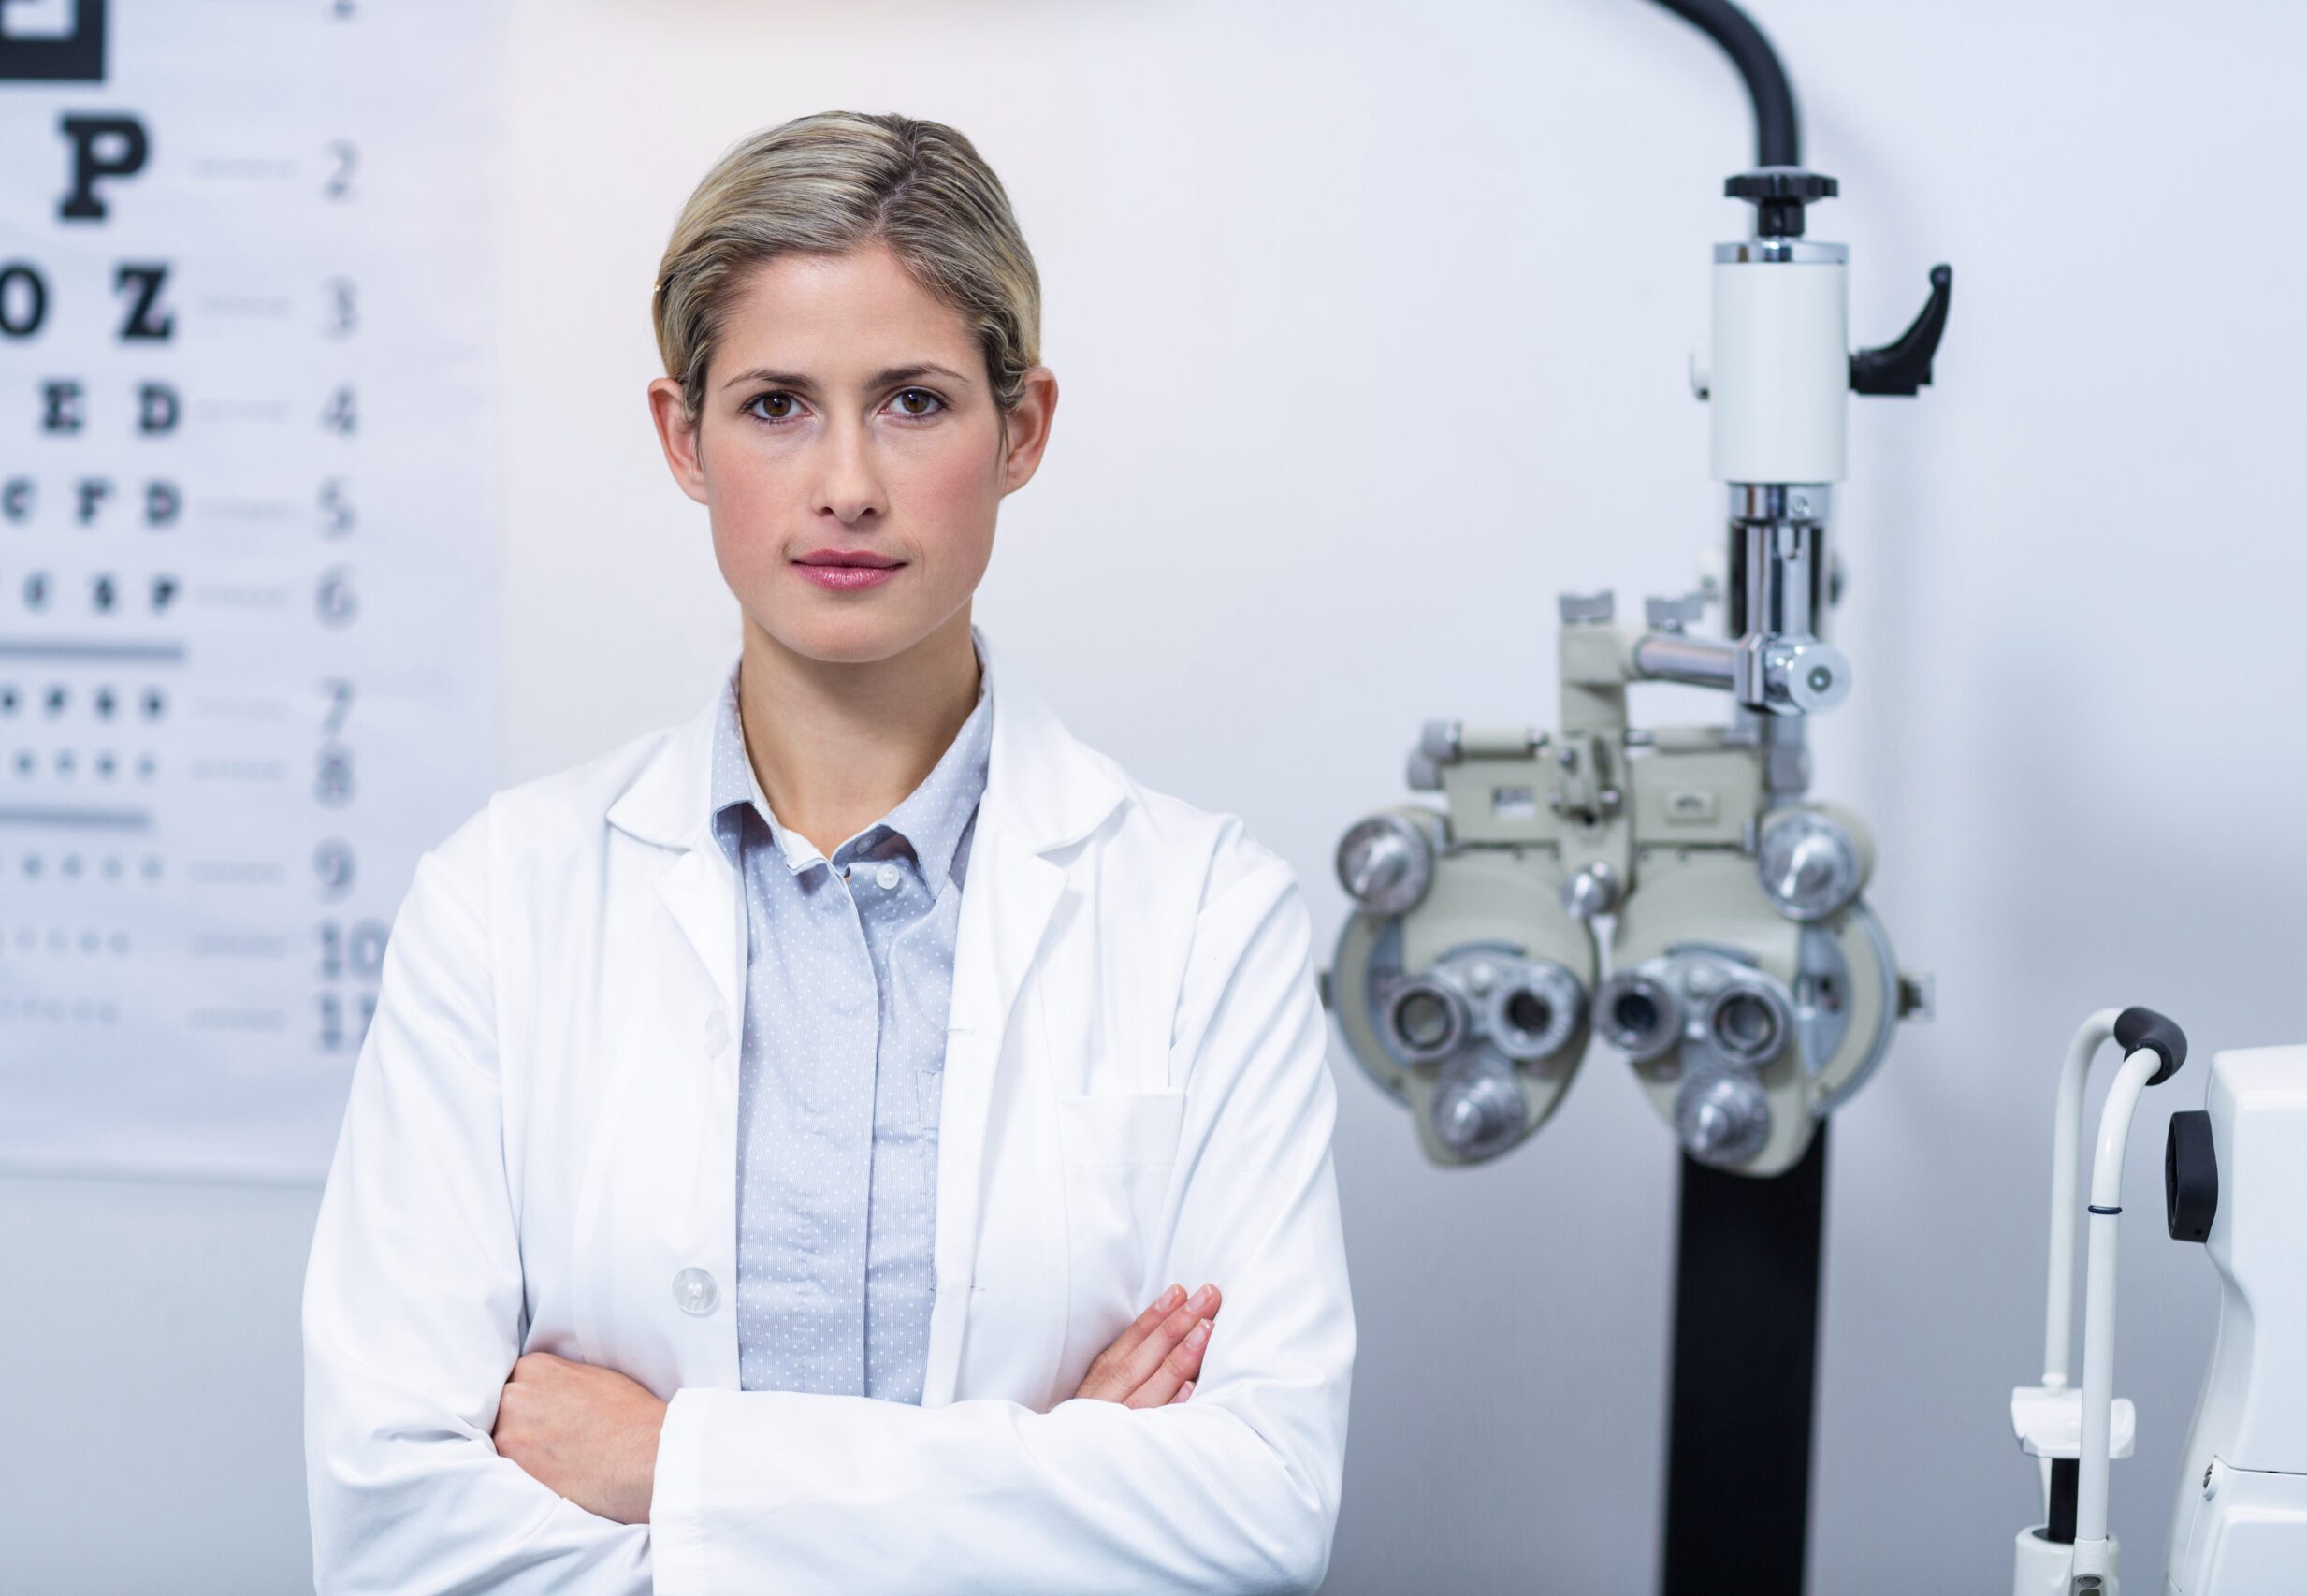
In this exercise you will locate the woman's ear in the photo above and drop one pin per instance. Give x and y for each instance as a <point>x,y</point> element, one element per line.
<point>1026,428</point>
<point>678,434</point>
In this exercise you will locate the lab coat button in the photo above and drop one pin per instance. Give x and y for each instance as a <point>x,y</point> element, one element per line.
<point>887,874</point>
<point>695,1290</point>
<point>716,1032</point>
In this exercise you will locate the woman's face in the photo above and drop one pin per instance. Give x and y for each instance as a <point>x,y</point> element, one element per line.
<point>846,411</point>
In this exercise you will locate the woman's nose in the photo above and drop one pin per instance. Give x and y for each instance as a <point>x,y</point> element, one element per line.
<point>850,487</point>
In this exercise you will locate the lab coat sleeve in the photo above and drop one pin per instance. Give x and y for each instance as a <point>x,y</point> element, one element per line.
<point>1235,1489</point>
<point>413,1298</point>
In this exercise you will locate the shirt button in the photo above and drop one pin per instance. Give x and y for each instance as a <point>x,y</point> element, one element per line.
<point>716,1033</point>
<point>695,1290</point>
<point>887,874</point>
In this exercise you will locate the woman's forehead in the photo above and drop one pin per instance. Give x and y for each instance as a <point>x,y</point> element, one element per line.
<point>839,316</point>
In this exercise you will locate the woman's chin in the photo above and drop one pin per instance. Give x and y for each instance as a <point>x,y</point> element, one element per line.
<point>845,629</point>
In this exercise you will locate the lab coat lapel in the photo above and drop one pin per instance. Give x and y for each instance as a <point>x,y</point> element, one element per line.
<point>1044,792</point>
<point>666,804</point>
<point>700,890</point>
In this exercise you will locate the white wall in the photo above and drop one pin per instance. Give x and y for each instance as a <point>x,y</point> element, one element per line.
<point>1371,321</point>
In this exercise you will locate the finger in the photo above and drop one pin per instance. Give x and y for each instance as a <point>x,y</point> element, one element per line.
<point>1147,1356</point>
<point>1184,1391</point>
<point>1105,1378</point>
<point>1174,1371</point>
<point>1145,1322</point>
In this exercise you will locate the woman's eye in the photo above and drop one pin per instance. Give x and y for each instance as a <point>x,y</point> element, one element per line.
<point>772,397</point>
<point>904,408</point>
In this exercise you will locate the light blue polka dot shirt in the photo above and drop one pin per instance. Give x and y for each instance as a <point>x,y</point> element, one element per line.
<point>849,980</point>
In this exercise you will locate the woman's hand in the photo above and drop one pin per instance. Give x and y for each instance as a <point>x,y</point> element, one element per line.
<point>1156,1358</point>
<point>587,1433</point>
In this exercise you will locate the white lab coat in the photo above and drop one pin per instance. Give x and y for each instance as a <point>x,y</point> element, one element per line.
<point>542,1135</point>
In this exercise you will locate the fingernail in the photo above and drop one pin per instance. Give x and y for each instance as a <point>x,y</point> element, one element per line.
<point>1201,1298</point>
<point>1199,1334</point>
<point>1171,1297</point>
<point>1185,1390</point>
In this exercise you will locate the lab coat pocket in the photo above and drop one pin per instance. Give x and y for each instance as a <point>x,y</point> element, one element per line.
<point>1118,1150</point>
<point>1119,1130</point>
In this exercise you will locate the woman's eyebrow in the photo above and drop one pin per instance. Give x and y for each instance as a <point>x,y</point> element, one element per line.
<point>880,379</point>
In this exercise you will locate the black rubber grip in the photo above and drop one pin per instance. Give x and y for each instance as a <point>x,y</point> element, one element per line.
<point>2137,1028</point>
<point>2190,1176</point>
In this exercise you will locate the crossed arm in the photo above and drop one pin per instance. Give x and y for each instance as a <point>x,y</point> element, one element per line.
<point>590,1433</point>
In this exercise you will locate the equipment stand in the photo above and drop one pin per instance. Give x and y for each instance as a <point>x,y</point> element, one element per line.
<point>1745,1355</point>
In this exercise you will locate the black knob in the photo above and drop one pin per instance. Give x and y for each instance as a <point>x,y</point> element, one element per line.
<point>2190,1176</point>
<point>1779,194</point>
<point>1780,183</point>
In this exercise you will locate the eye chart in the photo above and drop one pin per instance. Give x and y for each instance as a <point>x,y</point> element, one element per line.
<point>247,534</point>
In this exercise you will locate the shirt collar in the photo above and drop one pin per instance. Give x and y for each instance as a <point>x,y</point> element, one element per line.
<point>931,819</point>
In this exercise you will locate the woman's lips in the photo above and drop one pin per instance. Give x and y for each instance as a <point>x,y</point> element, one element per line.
<point>847,578</point>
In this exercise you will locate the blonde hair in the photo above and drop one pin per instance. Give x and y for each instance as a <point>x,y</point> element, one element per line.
<point>827,183</point>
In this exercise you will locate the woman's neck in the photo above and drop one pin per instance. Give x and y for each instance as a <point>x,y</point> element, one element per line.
<point>836,746</point>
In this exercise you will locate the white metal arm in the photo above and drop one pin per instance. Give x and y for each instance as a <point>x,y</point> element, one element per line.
<point>2098,1302</point>
<point>2065,1136</point>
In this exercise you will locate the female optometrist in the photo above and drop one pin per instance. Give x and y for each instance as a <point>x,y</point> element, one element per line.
<point>782,1142</point>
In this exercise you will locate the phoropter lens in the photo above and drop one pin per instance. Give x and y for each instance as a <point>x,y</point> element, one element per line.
<point>1530,1013</point>
<point>1746,1025</point>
